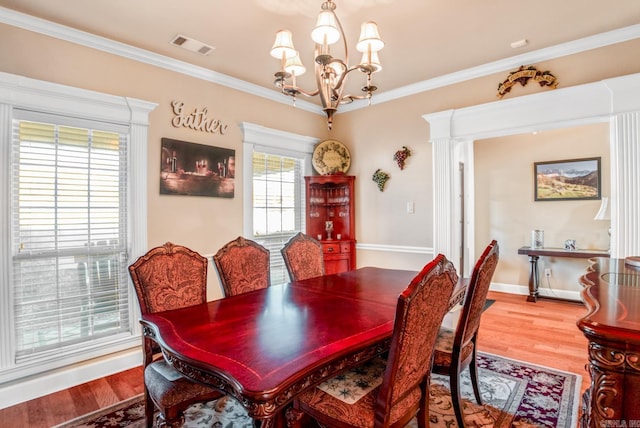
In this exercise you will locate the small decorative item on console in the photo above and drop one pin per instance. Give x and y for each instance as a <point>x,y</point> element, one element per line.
<point>570,244</point>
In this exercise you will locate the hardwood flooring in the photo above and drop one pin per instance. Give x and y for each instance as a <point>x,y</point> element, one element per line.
<point>544,333</point>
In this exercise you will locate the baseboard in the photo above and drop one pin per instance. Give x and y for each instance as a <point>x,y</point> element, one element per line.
<point>542,292</point>
<point>57,380</point>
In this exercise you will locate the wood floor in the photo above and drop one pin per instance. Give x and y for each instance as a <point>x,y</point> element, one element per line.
<point>544,333</point>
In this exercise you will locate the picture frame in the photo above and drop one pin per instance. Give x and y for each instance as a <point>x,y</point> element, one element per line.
<point>196,169</point>
<point>567,179</point>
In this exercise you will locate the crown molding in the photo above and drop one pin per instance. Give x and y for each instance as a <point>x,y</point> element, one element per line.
<point>83,38</point>
<point>581,45</point>
<point>48,28</point>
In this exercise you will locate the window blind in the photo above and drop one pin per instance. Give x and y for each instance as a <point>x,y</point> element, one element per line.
<point>69,232</point>
<point>278,205</point>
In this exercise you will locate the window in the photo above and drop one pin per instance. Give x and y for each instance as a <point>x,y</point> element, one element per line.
<point>274,190</point>
<point>69,232</point>
<point>73,217</point>
<point>278,205</point>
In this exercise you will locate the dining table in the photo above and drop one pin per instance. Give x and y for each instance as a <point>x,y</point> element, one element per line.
<point>266,346</point>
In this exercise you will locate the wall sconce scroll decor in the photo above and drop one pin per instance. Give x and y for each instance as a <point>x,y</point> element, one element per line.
<point>522,76</point>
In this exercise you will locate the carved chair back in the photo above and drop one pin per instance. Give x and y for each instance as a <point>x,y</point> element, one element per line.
<point>169,277</point>
<point>419,313</point>
<point>242,265</point>
<point>478,288</point>
<point>303,257</point>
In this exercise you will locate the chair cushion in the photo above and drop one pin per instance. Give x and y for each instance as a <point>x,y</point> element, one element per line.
<point>444,349</point>
<point>316,402</point>
<point>169,388</point>
<point>354,384</point>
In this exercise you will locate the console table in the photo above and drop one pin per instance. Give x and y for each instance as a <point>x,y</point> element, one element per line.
<point>535,253</point>
<point>612,326</point>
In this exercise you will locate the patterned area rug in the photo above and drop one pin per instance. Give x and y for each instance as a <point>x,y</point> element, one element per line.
<point>515,394</point>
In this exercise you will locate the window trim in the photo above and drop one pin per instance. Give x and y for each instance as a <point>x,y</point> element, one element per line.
<point>258,137</point>
<point>19,92</point>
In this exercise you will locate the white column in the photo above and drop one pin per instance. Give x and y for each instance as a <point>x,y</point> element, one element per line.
<point>444,197</point>
<point>625,184</point>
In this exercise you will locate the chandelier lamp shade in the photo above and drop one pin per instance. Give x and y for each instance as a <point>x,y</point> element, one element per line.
<point>330,72</point>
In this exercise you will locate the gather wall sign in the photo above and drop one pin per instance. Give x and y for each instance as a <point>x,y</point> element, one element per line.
<point>198,120</point>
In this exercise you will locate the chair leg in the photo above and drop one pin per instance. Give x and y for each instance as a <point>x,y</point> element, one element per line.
<point>456,398</point>
<point>149,408</point>
<point>295,418</point>
<point>473,372</point>
<point>423,411</point>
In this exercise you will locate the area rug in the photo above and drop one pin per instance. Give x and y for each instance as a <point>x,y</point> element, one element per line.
<point>516,394</point>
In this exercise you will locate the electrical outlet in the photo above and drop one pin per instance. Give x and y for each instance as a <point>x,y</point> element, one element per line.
<point>547,272</point>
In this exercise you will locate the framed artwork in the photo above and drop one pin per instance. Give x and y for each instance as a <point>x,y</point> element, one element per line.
<point>565,180</point>
<point>196,169</point>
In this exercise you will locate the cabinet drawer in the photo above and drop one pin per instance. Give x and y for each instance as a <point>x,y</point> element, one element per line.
<point>331,248</point>
<point>345,247</point>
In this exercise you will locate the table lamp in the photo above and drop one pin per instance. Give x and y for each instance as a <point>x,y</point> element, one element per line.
<point>604,213</point>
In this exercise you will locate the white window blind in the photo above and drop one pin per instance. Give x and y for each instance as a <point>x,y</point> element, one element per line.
<point>278,205</point>
<point>69,232</point>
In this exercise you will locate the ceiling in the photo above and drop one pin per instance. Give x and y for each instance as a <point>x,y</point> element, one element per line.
<point>424,39</point>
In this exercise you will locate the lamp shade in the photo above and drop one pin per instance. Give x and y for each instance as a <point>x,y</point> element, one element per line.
<point>604,213</point>
<point>326,29</point>
<point>371,59</point>
<point>369,38</point>
<point>294,66</point>
<point>283,45</point>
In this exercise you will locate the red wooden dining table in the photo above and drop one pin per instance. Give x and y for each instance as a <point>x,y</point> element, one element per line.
<point>266,346</point>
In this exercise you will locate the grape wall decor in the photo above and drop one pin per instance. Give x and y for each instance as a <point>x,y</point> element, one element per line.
<point>380,177</point>
<point>401,156</point>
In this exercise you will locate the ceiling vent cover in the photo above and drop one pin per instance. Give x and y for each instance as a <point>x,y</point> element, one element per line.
<point>192,45</point>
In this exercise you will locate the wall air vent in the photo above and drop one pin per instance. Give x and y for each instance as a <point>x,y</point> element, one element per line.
<point>192,45</point>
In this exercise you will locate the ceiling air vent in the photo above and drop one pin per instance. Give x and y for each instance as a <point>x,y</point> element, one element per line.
<point>192,45</point>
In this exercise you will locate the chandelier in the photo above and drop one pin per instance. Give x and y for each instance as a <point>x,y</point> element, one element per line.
<point>331,73</point>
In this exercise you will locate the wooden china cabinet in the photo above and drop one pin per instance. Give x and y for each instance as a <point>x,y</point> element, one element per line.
<point>330,219</point>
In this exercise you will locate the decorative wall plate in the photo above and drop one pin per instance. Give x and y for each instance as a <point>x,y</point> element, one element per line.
<point>331,157</point>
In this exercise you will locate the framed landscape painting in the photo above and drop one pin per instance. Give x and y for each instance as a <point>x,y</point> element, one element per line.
<point>570,179</point>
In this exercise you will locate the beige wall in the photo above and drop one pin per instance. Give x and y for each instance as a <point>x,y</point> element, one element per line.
<point>506,211</point>
<point>376,132</point>
<point>373,134</point>
<point>201,223</point>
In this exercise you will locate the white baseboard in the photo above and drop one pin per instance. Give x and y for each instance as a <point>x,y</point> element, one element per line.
<point>544,292</point>
<point>36,386</point>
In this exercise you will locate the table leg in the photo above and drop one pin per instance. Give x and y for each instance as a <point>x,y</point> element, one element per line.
<point>534,279</point>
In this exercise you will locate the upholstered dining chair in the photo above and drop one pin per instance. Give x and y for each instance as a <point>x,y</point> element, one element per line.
<point>242,265</point>
<point>169,277</point>
<point>404,389</point>
<point>303,257</point>
<point>456,350</point>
